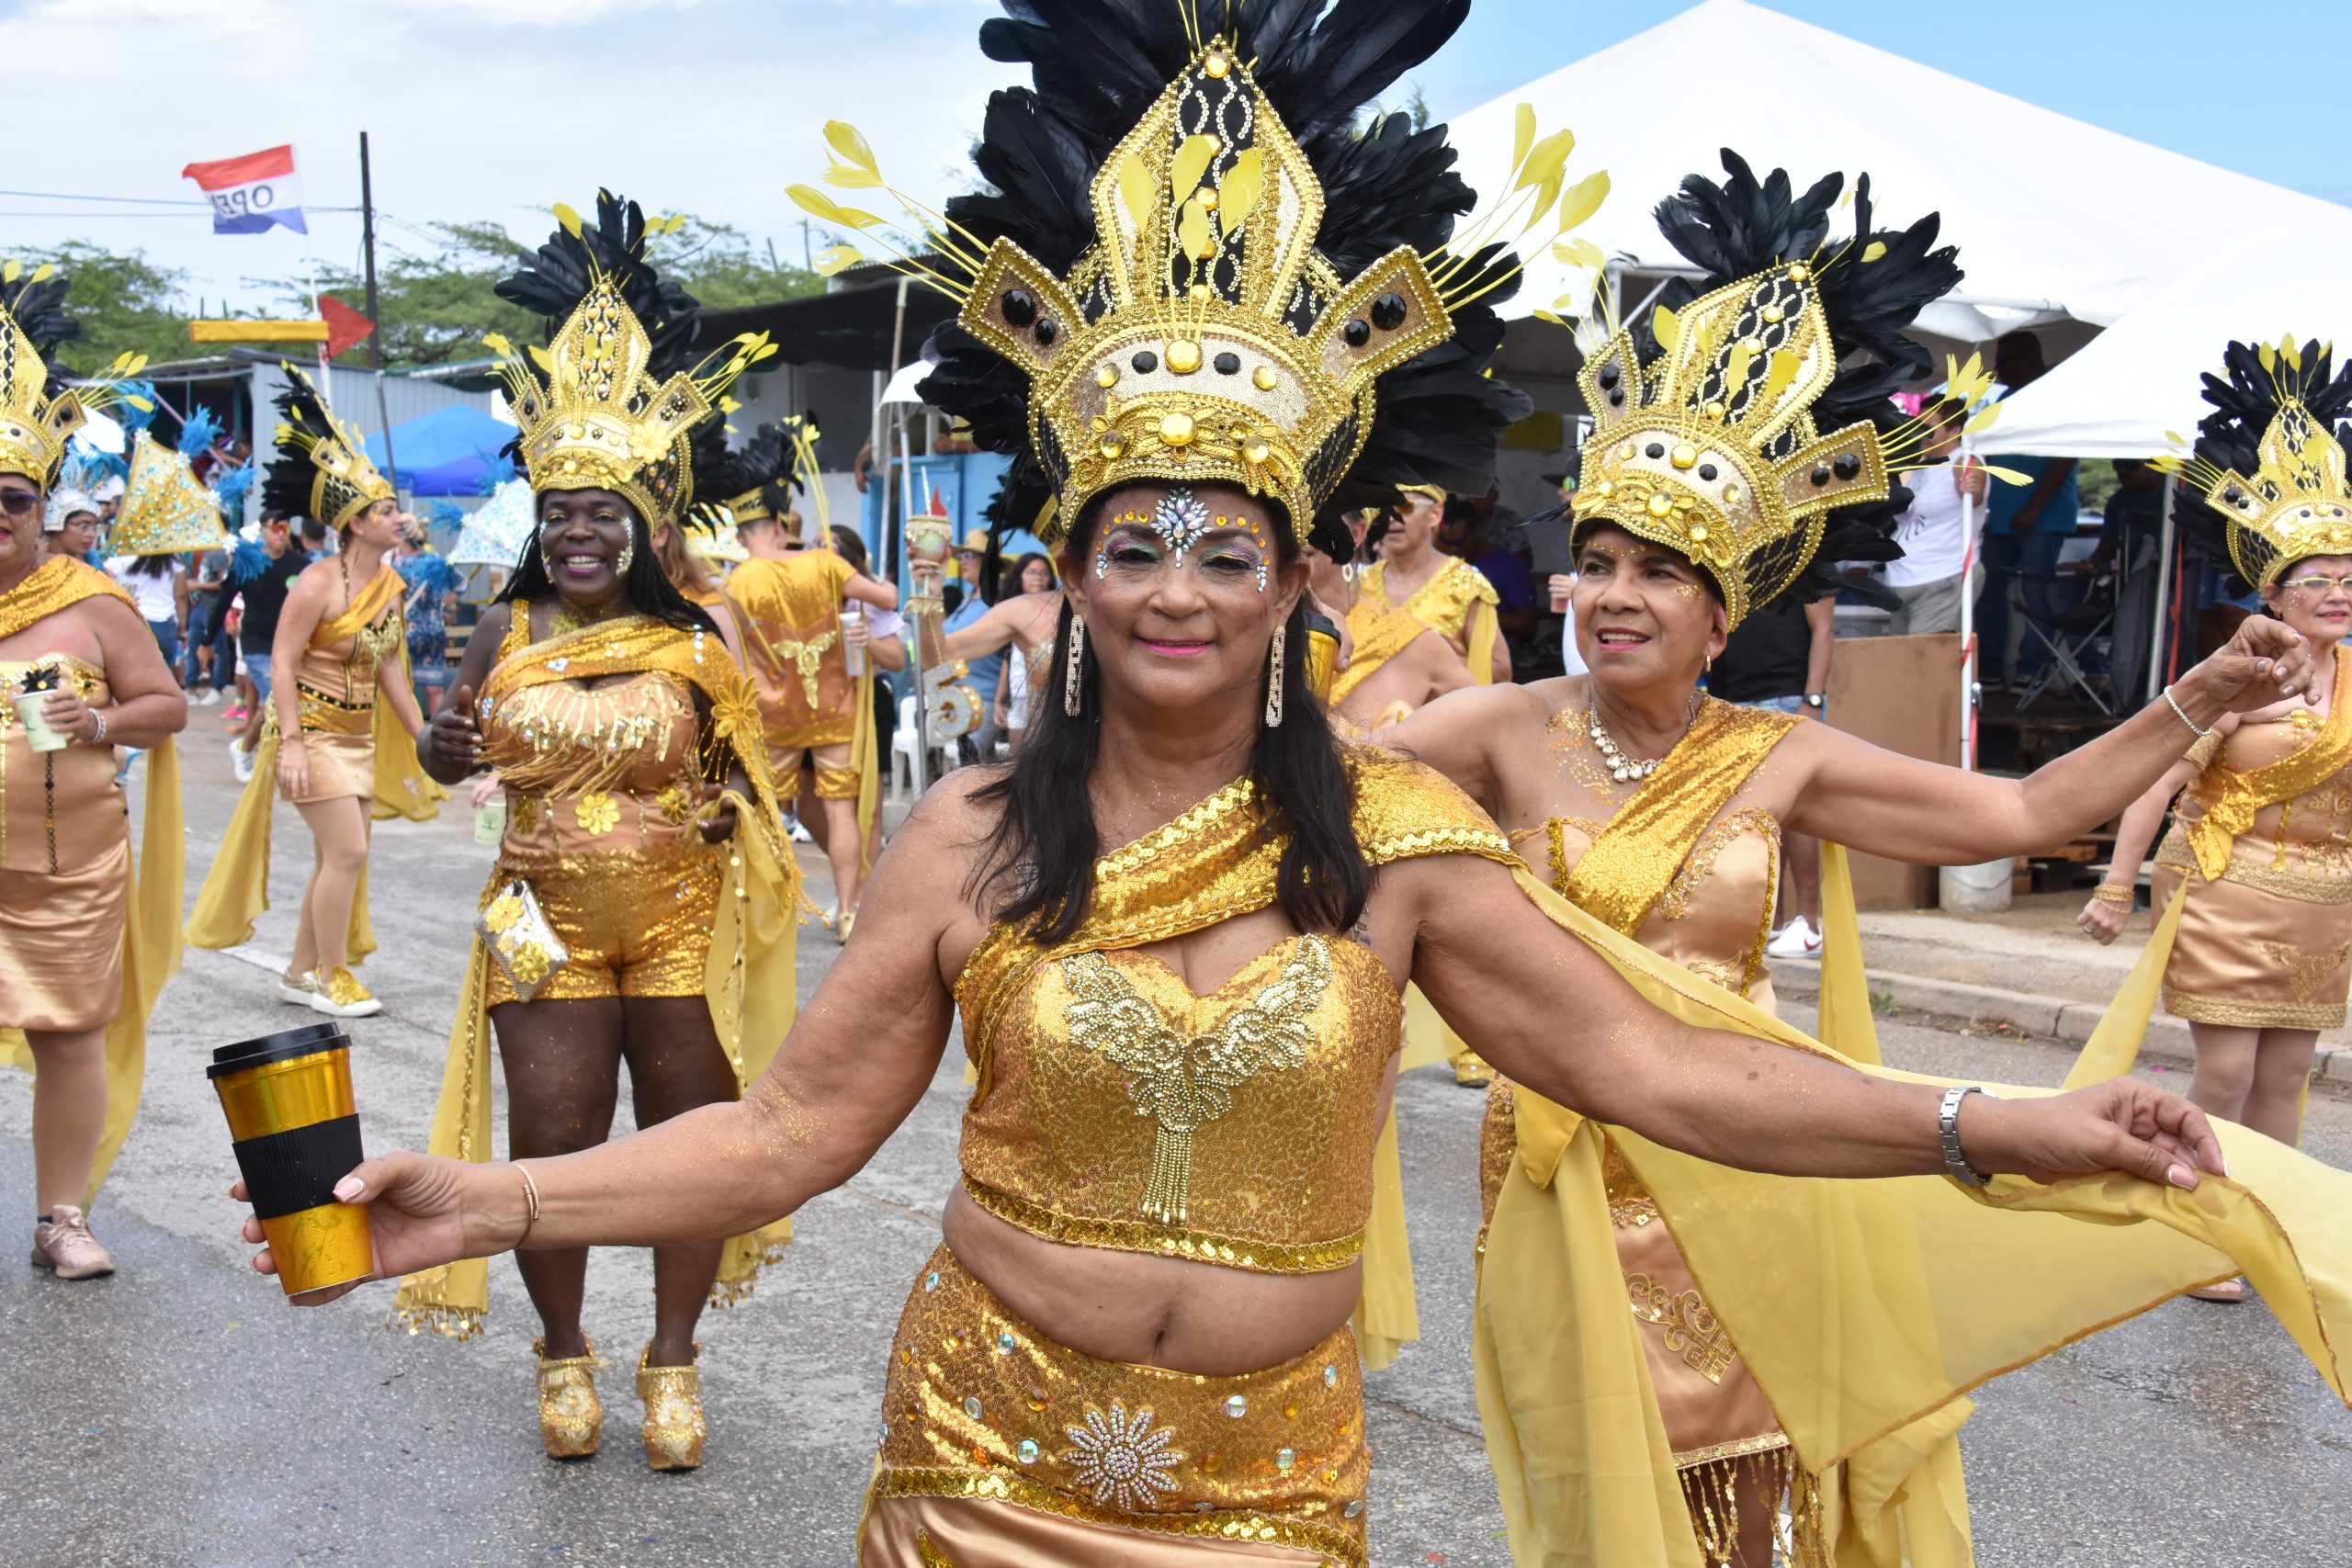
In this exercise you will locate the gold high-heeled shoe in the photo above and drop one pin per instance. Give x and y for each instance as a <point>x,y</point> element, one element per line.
<point>674,1422</point>
<point>571,1418</point>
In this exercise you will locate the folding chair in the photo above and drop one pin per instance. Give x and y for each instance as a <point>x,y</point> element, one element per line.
<point>2068,635</point>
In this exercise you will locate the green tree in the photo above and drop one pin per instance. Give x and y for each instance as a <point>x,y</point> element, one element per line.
<point>126,304</point>
<point>433,306</point>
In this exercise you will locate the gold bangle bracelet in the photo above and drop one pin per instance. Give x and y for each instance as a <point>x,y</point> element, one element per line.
<point>2109,893</point>
<point>530,1204</point>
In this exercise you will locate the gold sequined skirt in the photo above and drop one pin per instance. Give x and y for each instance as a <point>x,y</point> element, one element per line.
<point>1000,1447</point>
<point>636,923</point>
<point>2257,956</point>
<point>339,740</point>
<point>62,936</point>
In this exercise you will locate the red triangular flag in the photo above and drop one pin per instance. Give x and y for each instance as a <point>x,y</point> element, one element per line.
<point>345,326</point>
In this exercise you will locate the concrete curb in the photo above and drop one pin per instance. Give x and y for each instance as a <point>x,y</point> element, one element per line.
<point>2054,1018</point>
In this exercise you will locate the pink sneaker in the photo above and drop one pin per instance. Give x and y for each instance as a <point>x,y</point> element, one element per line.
<point>63,1242</point>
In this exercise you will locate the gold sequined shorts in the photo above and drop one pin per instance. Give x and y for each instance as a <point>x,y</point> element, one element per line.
<point>635,925</point>
<point>63,938</point>
<point>1000,1446</point>
<point>836,780</point>
<point>2255,957</point>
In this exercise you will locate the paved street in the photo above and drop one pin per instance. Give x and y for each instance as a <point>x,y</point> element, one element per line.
<point>180,1412</point>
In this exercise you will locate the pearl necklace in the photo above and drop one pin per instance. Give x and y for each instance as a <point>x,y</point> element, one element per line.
<point>1624,769</point>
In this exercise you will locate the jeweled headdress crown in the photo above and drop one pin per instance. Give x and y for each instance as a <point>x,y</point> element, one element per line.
<point>2269,460</point>
<point>614,400</point>
<point>320,468</point>
<point>1196,266</point>
<point>1740,428</point>
<point>39,413</point>
<point>166,508</point>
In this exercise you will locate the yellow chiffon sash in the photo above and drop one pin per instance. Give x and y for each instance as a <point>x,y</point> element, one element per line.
<point>1864,1308</point>
<point>1380,636</point>
<point>865,757</point>
<point>1634,858</point>
<point>748,979</point>
<point>2233,799</point>
<point>150,956</point>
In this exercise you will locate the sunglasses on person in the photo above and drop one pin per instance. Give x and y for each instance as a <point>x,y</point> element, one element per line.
<point>2315,583</point>
<point>19,502</point>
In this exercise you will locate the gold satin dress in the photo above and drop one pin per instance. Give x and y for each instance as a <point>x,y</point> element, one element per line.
<point>1115,1108</point>
<point>64,865</point>
<point>335,685</point>
<point>791,612</point>
<point>2268,943</point>
<point>602,781</point>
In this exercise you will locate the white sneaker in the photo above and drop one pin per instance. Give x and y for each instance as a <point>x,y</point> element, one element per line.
<point>296,988</point>
<point>206,697</point>
<point>241,760</point>
<point>1795,939</point>
<point>800,834</point>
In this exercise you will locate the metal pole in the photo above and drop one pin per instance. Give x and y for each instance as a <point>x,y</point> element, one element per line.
<point>2161,633</point>
<point>375,337</point>
<point>1968,697</point>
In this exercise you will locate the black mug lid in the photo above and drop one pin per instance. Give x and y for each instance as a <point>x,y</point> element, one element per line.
<point>284,1046</point>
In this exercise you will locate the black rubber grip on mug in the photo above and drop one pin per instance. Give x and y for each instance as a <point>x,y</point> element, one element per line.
<point>297,1170</point>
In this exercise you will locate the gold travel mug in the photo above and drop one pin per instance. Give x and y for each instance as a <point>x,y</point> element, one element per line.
<point>1322,655</point>
<point>287,1098</point>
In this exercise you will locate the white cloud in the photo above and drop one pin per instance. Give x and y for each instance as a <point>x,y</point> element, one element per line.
<point>475,108</point>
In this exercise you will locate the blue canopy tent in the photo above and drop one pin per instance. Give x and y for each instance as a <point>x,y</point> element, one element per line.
<point>447,452</point>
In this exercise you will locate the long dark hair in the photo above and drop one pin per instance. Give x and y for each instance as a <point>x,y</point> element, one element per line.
<point>153,566</point>
<point>1044,850</point>
<point>645,585</point>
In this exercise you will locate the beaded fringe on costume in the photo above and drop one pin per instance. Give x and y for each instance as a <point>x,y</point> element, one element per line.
<point>1791,1491</point>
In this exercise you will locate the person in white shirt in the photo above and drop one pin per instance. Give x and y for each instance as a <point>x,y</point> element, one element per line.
<point>1936,540</point>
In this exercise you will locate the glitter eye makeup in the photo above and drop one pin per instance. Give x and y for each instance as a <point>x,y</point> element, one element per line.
<point>1180,521</point>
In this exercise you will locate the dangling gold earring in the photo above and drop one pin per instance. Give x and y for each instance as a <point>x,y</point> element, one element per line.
<point>1706,664</point>
<point>1275,679</point>
<point>1073,667</point>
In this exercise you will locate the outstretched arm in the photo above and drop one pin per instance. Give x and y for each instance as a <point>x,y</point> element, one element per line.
<point>1905,809</point>
<point>1458,733</point>
<point>2102,921</point>
<point>860,1056</point>
<point>1506,977</point>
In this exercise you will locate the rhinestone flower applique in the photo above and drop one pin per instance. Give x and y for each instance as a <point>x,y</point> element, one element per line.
<point>1181,518</point>
<point>1123,1459</point>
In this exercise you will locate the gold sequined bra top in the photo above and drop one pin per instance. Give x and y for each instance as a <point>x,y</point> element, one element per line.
<point>1118,1109</point>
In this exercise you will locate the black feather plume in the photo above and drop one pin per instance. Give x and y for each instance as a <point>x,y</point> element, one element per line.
<point>38,311</point>
<point>557,276</point>
<point>2246,398</point>
<point>287,477</point>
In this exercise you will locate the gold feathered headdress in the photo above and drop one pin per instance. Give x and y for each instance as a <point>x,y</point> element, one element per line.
<point>1760,414</point>
<point>614,400</point>
<point>166,508</point>
<point>2267,460</point>
<point>1197,266</point>
<point>39,413</point>
<point>320,468</point>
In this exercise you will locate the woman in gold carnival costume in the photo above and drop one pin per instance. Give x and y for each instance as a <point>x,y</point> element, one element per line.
<point>337,739</point>
<point>1132,1345</point>
<point>790,597</point>
<point>2253,883</point>
<point>89,935</point>
<point>642,909</point>
<point>1740,453</point>
<point>1443,592</point>
<point>1397,662</point>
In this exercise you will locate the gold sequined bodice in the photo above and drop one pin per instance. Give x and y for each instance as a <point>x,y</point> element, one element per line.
<point>1117,1109</point>
<point>342,675</point>
<point>592,767</point>
<point>1716,915</point>
<point>2308,835</point>
<point>792,608</point>
<point>1443,603</point>
<point>59,810</point>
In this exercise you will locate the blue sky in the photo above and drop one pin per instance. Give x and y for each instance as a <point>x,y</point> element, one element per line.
<point>493,108</point>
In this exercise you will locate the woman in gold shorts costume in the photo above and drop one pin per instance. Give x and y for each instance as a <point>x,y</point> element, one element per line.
<point>2259,857</point>
<point>342,713</point>
<point>642,907</point>
<point>1178,926</point>
<point>1660,811</point>
<point>89,935</point>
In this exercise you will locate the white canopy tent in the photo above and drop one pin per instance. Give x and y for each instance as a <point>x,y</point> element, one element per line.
<point>2054,218</point>
<point>2138,383</point>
